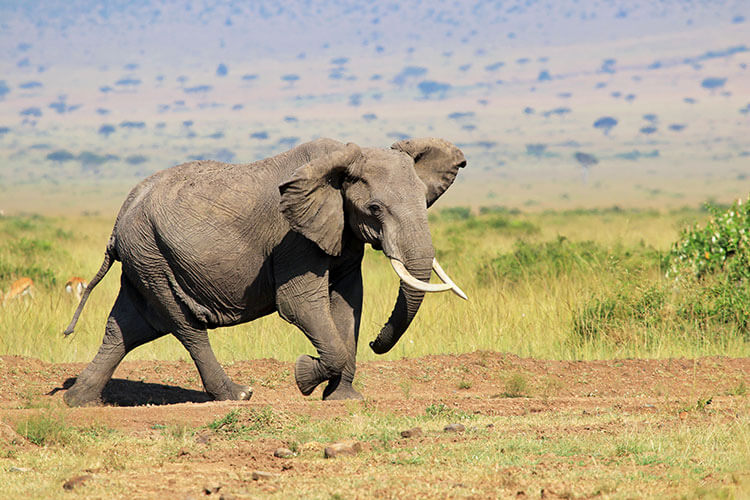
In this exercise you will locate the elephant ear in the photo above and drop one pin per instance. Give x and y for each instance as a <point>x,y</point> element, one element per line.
<point>436,161</point>
<point>311,200</point>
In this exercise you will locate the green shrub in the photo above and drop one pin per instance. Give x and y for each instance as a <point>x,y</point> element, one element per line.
<point>562,256</point>
<point>722,246</point>
<point>455,213</point>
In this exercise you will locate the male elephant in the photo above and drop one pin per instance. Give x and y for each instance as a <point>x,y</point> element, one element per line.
<point>208,244</point>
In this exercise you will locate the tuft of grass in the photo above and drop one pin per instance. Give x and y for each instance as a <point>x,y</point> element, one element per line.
<point>46,429</point>
<point>516,386</point>
<point>739,390</point>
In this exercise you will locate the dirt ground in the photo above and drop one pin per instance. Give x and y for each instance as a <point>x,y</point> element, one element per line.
<point>144,395</point>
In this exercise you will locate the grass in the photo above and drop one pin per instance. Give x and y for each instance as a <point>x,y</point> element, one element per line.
<point>624,455</point>
<point>584,284</point>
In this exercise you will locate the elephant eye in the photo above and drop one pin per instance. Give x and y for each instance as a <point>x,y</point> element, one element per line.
<point>374,209</point>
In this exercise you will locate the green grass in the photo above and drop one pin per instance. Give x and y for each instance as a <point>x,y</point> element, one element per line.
<point>585,284</point>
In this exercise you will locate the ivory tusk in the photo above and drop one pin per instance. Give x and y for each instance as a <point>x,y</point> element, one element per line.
<point>413,282</point>
<point>446,279</point>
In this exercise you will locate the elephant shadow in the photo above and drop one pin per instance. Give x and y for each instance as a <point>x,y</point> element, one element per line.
<point>123,392</point>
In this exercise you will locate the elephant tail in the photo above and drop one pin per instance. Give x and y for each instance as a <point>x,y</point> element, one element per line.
<point>110,255</point>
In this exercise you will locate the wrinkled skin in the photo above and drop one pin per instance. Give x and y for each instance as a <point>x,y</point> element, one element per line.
<point>208,244</point>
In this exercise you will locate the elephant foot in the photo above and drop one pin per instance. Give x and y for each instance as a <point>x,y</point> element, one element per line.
<point>337,390</point>
<point>233,392</point>
<point>308,374</point>
<point>79,395</point>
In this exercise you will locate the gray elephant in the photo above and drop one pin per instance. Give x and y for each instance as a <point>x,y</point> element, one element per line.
<point>208,244</point>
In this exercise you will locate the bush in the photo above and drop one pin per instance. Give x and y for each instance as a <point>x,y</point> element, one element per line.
<point>705,294</point>
<point>722,246</point>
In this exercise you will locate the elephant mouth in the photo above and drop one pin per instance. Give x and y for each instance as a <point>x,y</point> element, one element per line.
<point>411,281</point>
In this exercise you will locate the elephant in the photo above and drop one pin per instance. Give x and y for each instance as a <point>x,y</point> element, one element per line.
<point>208,244</point>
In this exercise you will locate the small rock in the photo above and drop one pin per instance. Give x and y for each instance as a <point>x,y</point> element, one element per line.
<point>454,428</point>
<point>211,489</point>
<point>75,482</point>
<point>410,433</point>
<point>342,448</point>
<point>19,469</point>
<point>259,475</point>
<point>226,496</point>
<point>287,466</point>
<point>283,453</point>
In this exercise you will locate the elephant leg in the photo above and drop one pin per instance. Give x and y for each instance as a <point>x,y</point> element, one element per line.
<point>313,317</point>
<point>215,380</point>
<point>126,329</point>
<point>346,310</point>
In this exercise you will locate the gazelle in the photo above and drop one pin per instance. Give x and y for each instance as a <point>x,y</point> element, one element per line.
<point>19,288</point>
<point>76,286</point>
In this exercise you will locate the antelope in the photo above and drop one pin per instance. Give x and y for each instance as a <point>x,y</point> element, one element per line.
<point>19,288</point>
<point>76,286</point>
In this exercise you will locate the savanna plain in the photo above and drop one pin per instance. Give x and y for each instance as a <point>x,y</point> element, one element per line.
<point>603,353</point>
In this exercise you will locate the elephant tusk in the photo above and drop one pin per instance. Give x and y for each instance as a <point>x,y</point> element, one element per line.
<point>413,282</point>
<point>446,279</point>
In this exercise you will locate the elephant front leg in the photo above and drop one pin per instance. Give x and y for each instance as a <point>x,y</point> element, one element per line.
<point>346,310</point>
<point>215,380</point>
<point>311,313</point>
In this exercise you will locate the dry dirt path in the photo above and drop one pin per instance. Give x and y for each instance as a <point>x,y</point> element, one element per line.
<point>145,397</point>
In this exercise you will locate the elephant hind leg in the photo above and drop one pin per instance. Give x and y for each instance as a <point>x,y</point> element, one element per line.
<point>215,380</point>
<point>126,329</point>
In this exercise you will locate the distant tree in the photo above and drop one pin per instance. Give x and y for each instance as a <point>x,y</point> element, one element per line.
<point>4,130</point>
<point>536,149</point>
<point>605,123</point>
<point>677,127</point>
<point>135,159</point>
<point>222,70</point>
<point>648,130</point>
<point>60,156</point>
<point>4,89</point>
<point>198,89</point>
<point>409,72</point>
<point>106,130</point>
<point>461,115</point>
<point>32,111</point>
<point>133,125</point>
<point>430,88</point>
<point>290,78</point>
<point>713,83</point>
<point>259,135</point>
<point>586,161</point>
<point>368,117</point>
<point>30,85</point>
<point>544,76</point>
<point>128,82</point>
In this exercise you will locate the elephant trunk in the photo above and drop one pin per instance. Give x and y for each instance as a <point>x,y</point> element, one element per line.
<point>407,304</point>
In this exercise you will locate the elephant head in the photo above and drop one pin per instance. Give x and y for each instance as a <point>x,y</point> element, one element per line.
<point>382,196</point>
